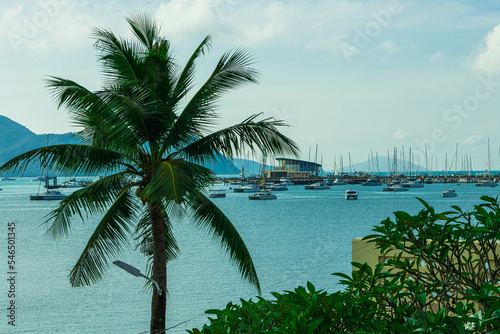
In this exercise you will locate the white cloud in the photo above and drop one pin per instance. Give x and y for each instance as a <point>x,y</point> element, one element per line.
<point>471,140</point>
<point>487,58</point>
<point>438,56</point>
<point>389,46</point>
<point>44,25</point>
<point>182,18</point>
<point>399,135</point>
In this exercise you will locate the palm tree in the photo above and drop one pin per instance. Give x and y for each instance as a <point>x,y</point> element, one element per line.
<point>151,135</point>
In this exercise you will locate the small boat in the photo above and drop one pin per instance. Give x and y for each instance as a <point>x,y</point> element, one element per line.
<point>399,187</point>
<point>486,183</point>
<point>264,194</point>
<point>416,184</point>
<point>217,193</point>
<point>246,189</point>
<point>286,182</point>
<point>6,178</point>
<point>338,182</point>
<point>428,180</point>
<point>48,196</point>
<point>38,179</point>
<point>449,193</point>
<point>371,182</point>
<point>351,194</point>
<point>278,187</point>
<point>317,186</point>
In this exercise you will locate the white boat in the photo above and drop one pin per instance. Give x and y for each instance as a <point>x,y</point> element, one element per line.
<point>317,186</point>
<point>217,193</point>
<point>486,183</point>
<point>371,182</point>
<point>246,189</point>
<point>38,179</point>
<point>398,187</point>
<point>264,194</point>
<point>428,180</point>
<point>416,184</point>
<point>449,193</point>
<point>278,187</point>
<point>48,196</point>
<point>338,182</point>
<point>286,182</point>
<point>351,194</point>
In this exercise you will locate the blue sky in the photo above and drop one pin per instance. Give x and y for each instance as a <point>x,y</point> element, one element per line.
<point>349,76</point>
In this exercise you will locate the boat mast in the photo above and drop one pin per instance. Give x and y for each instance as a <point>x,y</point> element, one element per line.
<point>489,157</point>
<point>350,163</point>
<point>446,165</point>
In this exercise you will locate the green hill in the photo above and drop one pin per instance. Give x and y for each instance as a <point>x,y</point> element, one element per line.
<point>16,139</point>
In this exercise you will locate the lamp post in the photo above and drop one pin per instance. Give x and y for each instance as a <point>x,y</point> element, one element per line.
<point>136,272</point>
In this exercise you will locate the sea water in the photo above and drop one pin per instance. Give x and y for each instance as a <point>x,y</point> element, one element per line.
<point>304,235</point>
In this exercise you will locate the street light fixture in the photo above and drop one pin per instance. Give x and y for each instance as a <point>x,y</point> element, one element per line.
<point>136,272</point>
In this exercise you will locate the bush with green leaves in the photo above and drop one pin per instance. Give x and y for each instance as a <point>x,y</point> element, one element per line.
<point>457,290</point>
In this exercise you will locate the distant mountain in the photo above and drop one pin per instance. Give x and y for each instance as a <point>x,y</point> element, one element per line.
<point>16,139</point>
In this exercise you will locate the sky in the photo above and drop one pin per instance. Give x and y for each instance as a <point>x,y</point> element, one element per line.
<point>352,78</point>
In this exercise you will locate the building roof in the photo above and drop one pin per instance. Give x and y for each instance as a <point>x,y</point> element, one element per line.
<point>303,161</point>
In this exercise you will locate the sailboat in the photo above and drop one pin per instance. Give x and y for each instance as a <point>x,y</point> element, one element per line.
<point>50,194</point>
<point>265,193</point>
<point>487,183</point>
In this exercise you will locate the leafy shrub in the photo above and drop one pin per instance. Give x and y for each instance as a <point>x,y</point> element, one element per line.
<point>455,292</point>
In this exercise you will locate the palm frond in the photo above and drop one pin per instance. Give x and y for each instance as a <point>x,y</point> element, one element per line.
<point>233,70</point>
<point>94,198</point>
<point>208,216</point>
<point>119,57</point>
<point>262,136</point>
<point>186,78</point>
<point>74,158</point>
<point>110,235</point>
<point>144,28</point>
<point>95,112</point>
<point>173,179</point>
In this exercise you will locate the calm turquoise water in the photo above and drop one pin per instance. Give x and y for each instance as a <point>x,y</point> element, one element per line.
<point>304,235</point>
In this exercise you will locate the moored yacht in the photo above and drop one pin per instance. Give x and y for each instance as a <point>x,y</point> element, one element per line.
<point>264,194</point>
<point>317,186</point>
<point>48,196</point>
<point>416,184</point>
<point>246,189</point>
<point>486,183</point>
<point>338,182</point>
<point>286,182</point>
<point>371,182</point>
<point>449,193</point>
<point>278,187</point>
<point>217,193</point>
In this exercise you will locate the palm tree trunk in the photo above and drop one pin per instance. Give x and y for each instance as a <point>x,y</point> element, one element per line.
<point>159,301</point>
